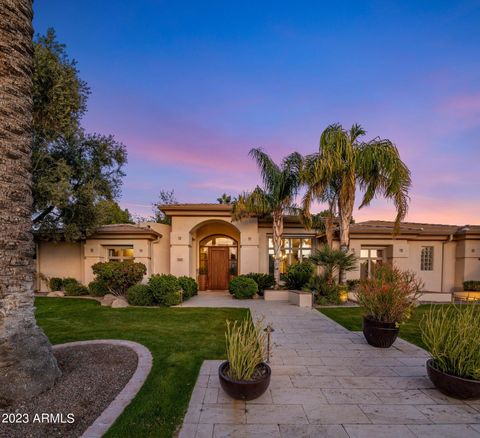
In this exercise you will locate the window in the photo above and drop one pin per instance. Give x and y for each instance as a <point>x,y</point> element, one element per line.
<point>370,258</point>
<point>120,253</point>
<point>293,250</point>
<point>426,258</point>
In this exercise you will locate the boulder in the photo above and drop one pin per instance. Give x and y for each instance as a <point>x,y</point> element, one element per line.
<point>119,303</point>
<point>57,293</point>
<point>108,299</point>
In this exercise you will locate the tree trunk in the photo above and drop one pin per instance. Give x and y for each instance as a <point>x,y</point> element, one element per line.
<point>27,365</point>
<point>277,248</point>
<point>345,217</point>
<point>329,230</point>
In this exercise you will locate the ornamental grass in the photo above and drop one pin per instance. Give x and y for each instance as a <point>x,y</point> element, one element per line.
<point>452,335</point>
<point>246,348</point>
<point>390,295</point>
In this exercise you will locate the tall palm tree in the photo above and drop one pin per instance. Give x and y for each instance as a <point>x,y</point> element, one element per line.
<point>344,163</point>
<point>280,186</point>
<point>224,199</point>
<point>27,365</point>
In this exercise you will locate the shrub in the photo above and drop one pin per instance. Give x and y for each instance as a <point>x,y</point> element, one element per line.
<point>298,275</point>
<point>166,289</point>
<point>264,281</point>
<point>55,284</point>
<point>390,295</point>
<point>189,286</point>
<point>97,288</point>
<point>140,295</point>
<point>246,348</point>
<point>73,287</point>
<point>119,276</point>
<point>451,335</point>
<point>324,291</point>
<point>243,287</point>
<point>472,286</point>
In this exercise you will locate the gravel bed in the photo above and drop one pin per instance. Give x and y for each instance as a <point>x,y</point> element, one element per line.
<point>92,376</point>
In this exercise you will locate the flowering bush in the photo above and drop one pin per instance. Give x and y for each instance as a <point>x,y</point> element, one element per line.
<point>390,295</point>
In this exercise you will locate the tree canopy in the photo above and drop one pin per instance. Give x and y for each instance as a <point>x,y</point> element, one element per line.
<point>73,171</point>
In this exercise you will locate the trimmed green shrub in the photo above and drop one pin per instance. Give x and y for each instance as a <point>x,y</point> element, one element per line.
<point>73,287</point>
<point>140,295</point>
<point>166,289</point>
<point>242,287</point>
<point>189,286</point>
<point>97,288</point>
<point>324,291</point>
<point>55,284</point>
<point>471,286</point>
<point>298,275</point>
<point>119,276</point>
<point>264,281</point>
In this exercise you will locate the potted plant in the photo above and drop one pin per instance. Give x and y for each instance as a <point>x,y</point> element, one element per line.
<point>245,375</point>
<point>451,334</point>
<point>388,298</point>
<point>202,278</point>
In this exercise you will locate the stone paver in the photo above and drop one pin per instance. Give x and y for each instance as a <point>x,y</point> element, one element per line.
<point>327,382</point>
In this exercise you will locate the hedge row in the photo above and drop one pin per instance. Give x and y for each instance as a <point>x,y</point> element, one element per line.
<point>164,290</point>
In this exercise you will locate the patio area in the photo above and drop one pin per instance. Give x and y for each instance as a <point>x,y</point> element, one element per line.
<point>327,382</point>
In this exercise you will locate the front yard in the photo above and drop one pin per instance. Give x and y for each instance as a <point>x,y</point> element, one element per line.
<point>351,318</point>
<point>180,339</point>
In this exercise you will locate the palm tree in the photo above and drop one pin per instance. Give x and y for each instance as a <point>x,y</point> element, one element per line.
<point>280,186</point>
<point>333,261</point>
<point>344,163</point>
<point>27,364</point>
<point>224,199</point>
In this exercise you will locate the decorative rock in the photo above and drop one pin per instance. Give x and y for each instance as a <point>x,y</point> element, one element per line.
<point>58,293</point>
<point>119,302</point>
<point>108,300</point>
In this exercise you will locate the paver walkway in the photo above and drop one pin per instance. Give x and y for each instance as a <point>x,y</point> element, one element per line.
<point>327,382</point>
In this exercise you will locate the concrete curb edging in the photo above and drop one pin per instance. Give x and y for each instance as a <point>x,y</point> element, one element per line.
<point>126,395</point>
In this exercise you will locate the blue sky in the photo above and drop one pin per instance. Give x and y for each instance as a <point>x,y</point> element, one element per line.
<point>190,87</point>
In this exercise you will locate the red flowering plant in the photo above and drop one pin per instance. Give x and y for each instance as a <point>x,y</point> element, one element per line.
<point>390,295</point>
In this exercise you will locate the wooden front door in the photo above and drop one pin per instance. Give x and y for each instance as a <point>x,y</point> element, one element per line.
<point>218,268</point>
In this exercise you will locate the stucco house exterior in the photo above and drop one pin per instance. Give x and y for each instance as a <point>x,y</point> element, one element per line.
<point>203,238</point>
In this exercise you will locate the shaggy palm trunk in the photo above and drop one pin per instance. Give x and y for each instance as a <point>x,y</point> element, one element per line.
<point>329,230</point>
<point>27,365</point>
<point>277,245</point>
<point>345,217</point>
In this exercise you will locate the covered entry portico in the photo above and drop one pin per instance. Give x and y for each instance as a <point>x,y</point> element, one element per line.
<point>204,240</point>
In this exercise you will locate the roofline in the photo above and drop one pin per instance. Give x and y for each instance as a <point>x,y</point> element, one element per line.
<point>195,207</point>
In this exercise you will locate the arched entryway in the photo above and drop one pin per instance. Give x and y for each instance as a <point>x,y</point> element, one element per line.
<point>218,257</point>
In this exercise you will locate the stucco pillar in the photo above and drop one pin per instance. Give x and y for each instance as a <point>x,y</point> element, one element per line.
<point>180,250</point>
<point>249,257</point>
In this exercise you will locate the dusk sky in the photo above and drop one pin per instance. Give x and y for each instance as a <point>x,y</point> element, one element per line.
<point>190,87</point>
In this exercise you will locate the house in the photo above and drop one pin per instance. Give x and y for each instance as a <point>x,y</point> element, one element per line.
<point>203,238</point>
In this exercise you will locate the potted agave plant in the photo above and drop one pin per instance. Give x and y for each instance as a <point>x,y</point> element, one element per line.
<point>245,375</point>
<point>452,335</point>
<point>388,298</point>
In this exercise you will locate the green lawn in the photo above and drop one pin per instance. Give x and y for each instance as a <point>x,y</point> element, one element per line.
<point>178,338</point>
<point>351,318</point>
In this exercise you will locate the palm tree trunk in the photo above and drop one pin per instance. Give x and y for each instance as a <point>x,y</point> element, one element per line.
<point>329,230</point>
<point>27,365</point>
<point>345,217</point>
<point>277,245</point>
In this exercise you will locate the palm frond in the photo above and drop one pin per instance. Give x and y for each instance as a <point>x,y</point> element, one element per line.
<point>250,204</point>
<point>269,170</point>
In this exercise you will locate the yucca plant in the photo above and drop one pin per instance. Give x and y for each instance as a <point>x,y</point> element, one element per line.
<point>452,336</point>
<point>246,348</point>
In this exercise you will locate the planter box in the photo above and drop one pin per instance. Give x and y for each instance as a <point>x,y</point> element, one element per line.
<point>296,297</point>
<point>466,296</point>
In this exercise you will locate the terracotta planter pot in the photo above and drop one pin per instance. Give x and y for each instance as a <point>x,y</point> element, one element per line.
<point>379,334</point>
<point>451,385</point>
<point>202,282</point>
<point>244,390</point>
